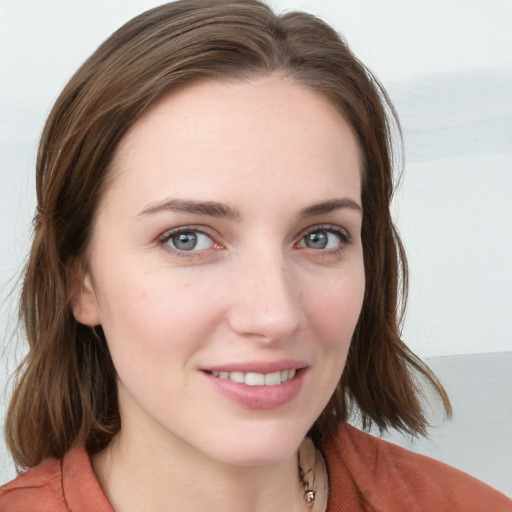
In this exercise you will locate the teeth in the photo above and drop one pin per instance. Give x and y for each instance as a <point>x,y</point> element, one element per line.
<point>257,379</point>
<point>272,379</point>
<point>237,377</point>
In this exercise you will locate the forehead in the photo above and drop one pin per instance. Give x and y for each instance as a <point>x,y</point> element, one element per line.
<point>245,133</point>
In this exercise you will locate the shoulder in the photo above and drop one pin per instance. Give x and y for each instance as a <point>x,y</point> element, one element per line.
<point>385,476</point>
<point>37,489</point>
<point>56,486</point>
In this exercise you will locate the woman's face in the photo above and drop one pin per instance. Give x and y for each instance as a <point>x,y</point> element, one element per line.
<point>226,268</point>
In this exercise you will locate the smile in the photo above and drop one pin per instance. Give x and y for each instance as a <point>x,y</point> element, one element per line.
<point>256,379</point>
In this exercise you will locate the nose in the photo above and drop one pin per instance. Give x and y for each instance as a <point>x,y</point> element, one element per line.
<point>266,302</point>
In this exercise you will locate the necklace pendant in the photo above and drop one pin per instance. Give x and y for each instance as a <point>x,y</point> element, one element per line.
<point>309,496</point>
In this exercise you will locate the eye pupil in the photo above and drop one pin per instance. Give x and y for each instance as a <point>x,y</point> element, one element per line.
<point>317,240</point>
<point>185,241</point>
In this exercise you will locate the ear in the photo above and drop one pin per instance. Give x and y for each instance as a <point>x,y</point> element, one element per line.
<point>83,297</point>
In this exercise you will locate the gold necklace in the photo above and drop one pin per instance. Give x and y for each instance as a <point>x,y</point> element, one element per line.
<point>313,476</point>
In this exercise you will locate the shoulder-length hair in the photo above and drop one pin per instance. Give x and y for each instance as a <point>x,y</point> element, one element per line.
<point>65,393</point>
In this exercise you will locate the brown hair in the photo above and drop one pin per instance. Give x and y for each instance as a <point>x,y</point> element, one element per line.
<point>65,393</point>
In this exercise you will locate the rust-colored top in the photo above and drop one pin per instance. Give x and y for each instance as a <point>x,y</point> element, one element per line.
<point>365,474</point>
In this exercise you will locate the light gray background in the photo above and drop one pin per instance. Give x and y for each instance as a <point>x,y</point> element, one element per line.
<point>448,67</point>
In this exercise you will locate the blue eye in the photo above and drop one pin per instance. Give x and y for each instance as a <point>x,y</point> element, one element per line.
<point>324,239</point>
<point>189,241</point>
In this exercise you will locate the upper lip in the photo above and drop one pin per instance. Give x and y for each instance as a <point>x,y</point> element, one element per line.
<point>258,366</point>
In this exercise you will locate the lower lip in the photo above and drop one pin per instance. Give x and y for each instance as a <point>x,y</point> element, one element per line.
<point>259,397</point>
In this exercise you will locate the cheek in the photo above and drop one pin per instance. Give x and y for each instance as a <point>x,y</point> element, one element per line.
<point>335,311</point>
<point>153,330</point>
<point>150,314</point>
<point>333,315</point>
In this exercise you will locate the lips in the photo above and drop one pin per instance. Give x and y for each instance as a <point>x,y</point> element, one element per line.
<point>258,385</point>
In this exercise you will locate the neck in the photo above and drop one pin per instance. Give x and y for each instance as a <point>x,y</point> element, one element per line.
<point>155,476</point>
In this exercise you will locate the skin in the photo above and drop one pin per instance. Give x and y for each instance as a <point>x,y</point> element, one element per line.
<point>254,289</point>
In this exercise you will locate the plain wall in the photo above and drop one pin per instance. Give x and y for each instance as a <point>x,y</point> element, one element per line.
<point>447,66</point>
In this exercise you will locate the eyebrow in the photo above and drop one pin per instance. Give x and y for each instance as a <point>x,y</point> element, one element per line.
<point>221,210</point>
<point>210,208</point>
<point>330,206</point>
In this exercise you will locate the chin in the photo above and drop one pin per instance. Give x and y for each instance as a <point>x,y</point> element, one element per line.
<point>259,446</point>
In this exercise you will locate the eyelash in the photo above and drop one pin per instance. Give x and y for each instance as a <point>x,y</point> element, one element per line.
<point>168,235</point>
<point>345,239</point>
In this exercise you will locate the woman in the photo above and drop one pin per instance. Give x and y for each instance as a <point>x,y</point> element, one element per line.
<point>214,285</point>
